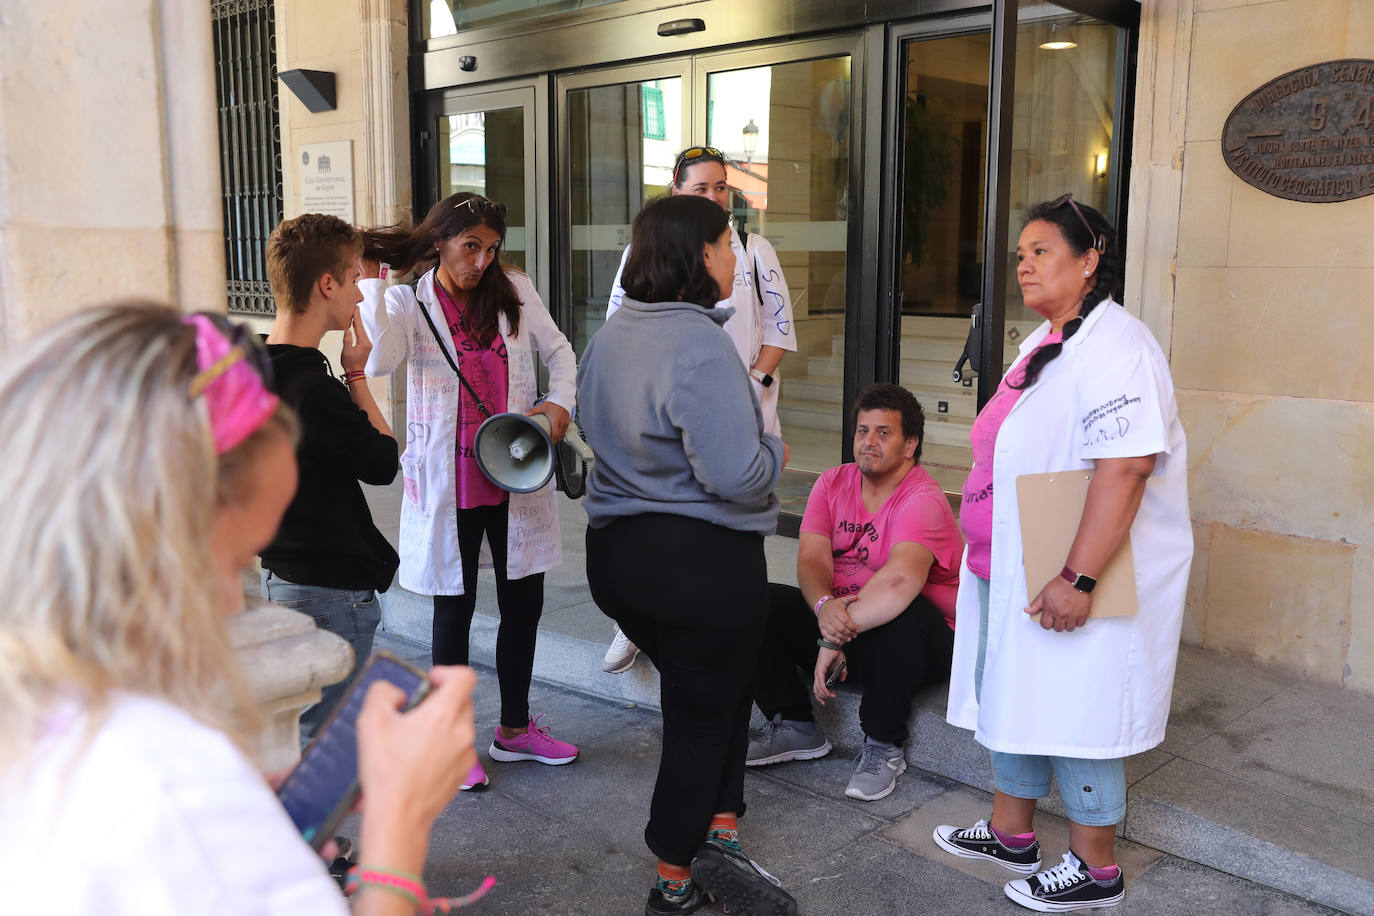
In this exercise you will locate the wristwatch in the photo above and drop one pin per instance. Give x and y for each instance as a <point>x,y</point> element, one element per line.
<point>1084,584</point>
<point>763,378</point>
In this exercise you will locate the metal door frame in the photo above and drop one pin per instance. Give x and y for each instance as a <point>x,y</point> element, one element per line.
<point>890,257</point>
<point>530,95</point>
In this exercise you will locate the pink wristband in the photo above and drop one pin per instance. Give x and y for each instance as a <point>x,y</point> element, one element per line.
<point>823,599</point>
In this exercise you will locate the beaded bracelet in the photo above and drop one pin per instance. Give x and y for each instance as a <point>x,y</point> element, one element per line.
<point>410,887</point>
<point>393,882</point>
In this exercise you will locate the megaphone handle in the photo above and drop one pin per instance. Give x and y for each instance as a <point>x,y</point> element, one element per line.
<point>572,438</point>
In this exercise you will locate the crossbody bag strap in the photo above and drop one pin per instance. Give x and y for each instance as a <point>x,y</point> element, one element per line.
<point>486,414</point>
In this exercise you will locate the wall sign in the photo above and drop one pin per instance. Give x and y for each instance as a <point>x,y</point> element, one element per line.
<point>326,172</point>
<point>1307,135</point>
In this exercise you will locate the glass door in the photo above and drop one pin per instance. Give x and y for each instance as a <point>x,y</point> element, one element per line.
<point>942,119</point>
<point>784,116</point>
<point>487,141</point>
<point>619,135</point>
<point>1067,87</point>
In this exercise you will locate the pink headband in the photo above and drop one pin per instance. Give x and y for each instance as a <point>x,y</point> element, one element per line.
<point>235,396</point>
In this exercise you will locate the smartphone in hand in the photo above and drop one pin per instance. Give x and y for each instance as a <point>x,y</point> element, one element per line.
<point>323,787</point>
<point>832,677</point>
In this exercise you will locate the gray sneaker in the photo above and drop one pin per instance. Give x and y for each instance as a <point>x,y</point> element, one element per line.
<point>879,766</point>
<point>784,740</point>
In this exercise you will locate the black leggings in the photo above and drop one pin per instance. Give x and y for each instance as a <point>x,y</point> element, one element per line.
<point>892,662</point>
<point>521,602</point>
<point>692,596</point>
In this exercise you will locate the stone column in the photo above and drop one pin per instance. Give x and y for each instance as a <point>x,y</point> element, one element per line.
<point>287,661</point>
<point>385,157</point>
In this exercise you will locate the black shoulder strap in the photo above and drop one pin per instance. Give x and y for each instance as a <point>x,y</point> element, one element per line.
<point>415,286</point>
<point>758,280</point>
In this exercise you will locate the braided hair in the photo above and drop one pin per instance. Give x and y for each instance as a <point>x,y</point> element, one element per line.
<point>1110,276</point>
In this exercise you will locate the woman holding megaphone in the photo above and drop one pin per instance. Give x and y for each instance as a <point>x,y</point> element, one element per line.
<point>468,329</point>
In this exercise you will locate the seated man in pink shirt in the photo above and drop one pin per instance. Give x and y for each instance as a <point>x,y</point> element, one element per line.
<point>878,571</point>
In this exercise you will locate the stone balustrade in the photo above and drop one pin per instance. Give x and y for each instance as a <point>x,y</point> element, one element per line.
<point>287,661</point>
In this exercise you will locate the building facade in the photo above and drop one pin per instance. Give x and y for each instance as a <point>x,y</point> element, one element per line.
<point>888,150</point>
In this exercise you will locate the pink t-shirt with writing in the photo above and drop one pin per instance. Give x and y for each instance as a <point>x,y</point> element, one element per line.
<point>485,369</point>
<point>975,516</point>
<point>917,511</point>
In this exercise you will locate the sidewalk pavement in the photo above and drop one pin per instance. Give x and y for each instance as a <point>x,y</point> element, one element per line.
<point>1260,776</point>
<point>569,839</point>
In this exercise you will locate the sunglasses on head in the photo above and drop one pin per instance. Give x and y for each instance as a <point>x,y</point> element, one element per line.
<point>1099,241</point>
<point>480,206</point>
<point>244,347</point>
<point>688,156</point>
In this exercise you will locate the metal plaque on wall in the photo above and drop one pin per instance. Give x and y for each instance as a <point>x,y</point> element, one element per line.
<point>1307,135</point>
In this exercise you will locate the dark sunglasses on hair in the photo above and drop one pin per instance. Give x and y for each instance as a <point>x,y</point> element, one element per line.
<point>241,337</point>
<point>480,206</point>
<point>1099,241</point>
<point>688,156</point>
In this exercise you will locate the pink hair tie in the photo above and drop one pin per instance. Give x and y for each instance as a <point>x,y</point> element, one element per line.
<point>236,396</point>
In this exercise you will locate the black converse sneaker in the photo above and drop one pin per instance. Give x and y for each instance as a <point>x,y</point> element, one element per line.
<point>979,842</point>
<point>1067,886</point>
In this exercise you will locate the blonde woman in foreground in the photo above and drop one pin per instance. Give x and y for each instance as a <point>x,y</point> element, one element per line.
<point>146,461</point>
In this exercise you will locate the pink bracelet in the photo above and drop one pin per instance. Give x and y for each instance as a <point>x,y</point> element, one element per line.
<point>823,599</point>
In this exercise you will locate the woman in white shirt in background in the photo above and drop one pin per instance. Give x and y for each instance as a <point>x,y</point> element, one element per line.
<point>761,327</point>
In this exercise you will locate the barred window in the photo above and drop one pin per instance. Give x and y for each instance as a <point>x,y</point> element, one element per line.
<point>245,33</point>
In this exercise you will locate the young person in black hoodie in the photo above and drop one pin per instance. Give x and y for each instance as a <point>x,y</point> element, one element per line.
<point>328,558</point>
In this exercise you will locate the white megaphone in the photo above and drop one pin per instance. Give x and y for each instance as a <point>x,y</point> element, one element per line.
<point>515,452</point>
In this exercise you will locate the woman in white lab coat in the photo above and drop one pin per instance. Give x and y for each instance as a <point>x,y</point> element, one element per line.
<point>761,327</point>
<point>1059,694</point>
<point>475,314</point>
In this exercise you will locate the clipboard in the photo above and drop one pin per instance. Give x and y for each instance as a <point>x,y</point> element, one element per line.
<point>1051,506</point>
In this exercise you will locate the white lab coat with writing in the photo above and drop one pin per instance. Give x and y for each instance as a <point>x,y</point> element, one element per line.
<point>1103,690</point>
<point>430,562</point>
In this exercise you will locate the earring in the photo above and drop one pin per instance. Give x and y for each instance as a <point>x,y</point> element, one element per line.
<point>1087,273</point>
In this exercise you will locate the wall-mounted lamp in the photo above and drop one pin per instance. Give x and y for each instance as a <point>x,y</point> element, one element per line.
<point>1060,38</point>
<point>315,88</point>
<point>751,142</point>
<point>1100,165</point>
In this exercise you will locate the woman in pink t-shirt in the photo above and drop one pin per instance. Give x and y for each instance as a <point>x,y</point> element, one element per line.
<point>1053,695</point>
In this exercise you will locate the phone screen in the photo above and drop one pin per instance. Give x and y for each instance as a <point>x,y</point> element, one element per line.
<point>323,787</point>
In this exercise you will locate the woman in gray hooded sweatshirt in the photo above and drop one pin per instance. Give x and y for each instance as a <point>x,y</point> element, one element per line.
<point>678,503</point>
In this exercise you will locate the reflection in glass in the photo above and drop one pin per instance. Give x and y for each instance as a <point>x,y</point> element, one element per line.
<point>940,217</point>
<point>449,17</point>
<point>623,142</point>
<point>484,152</point>
<point>1062,127</point>
<point>787,129</point>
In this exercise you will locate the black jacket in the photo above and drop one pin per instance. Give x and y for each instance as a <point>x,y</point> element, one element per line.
<point>327,537</point>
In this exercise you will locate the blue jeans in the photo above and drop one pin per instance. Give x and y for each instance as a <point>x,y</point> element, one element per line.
<point>354,615</point>
<point>1094,791</point>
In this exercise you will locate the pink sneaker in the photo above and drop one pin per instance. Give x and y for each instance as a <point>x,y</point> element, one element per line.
<point>477,778</point>
<point>534,744</point>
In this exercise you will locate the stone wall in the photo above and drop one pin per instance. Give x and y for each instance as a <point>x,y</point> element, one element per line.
<point>1264,306</point>
<point>107,124</point>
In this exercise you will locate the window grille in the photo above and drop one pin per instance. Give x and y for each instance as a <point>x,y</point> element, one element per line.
<point>245,34</point>
<point>655,126</point>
